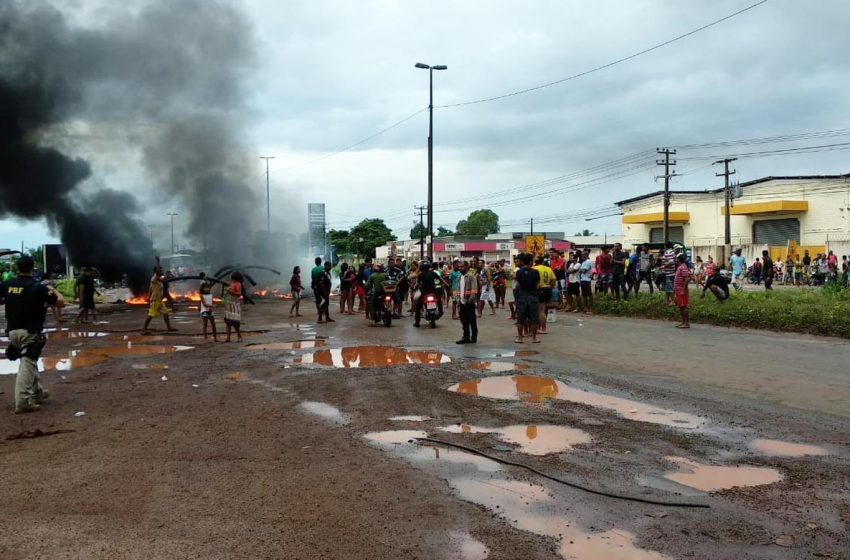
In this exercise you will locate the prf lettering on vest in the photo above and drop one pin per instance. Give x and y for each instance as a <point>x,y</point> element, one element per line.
<point>16,290</point>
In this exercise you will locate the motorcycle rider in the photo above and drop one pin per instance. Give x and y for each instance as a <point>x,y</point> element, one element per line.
<point>374,292</point>
<point>427,283</point>
<point>396,273</point>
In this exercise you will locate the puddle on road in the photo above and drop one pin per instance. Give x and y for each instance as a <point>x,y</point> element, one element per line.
<point>535,389</point>
<point>516,354</point>
<point>467,547</point>
<point>65,335</point>
<point>497,366</point>
<point>410,418</point>
<point>371,356</point>
<point>710,478</point>
<point>778,448</point>
<point>525,506</point>
<point>236,376</point>
<point>90,357</point>
<point>141,338</point>
<point>403,444</point>
<point>293,345</point>
<point>531,439</point>
<point>326,411</point>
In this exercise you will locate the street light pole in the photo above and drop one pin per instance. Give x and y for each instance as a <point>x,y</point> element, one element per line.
<point>431,153</point>
<point>268,197</point>
<point>172,214</point>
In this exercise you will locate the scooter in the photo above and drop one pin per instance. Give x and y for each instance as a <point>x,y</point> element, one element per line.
<point>432,310</point>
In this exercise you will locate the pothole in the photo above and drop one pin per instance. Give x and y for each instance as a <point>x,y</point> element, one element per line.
<point>531,439</point>
<point>370,357</point>
<point>709,478</point>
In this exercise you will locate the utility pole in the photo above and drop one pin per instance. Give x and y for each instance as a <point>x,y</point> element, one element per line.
<point>431,152</point>
<point>172,214</point>
<point>532,227</point>
<point>727,238</point>
<point>268,197</point>
<point>421,210</point>
<point>666,162</point>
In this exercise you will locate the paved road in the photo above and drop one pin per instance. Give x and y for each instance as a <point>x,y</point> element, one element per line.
<point>800,371</point>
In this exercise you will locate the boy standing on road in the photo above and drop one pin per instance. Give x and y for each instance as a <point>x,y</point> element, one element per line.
<point>680,290</point>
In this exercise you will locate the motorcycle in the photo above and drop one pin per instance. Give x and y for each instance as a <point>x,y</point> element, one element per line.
<point>432,310</point>
<point>385,312</point>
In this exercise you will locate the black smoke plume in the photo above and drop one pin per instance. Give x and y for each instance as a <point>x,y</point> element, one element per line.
<point>169,74</point>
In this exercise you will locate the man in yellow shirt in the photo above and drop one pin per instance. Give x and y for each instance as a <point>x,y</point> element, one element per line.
<point>544,289</point>
<point>156,293</point>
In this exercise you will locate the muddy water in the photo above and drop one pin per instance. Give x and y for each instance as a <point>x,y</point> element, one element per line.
<point>467,547</point>
<point>66,335</point>
<point>90,357</point>
<point>371,356</point>
<point>710,478</point>
<point>529,508</point>
<point>326,411</point>
<point>535,389</point>
<point>409,418</point>
<point>402,443</point>
<point>497,366</point>
<point>777,448</point>
<point>531,439</point>
<point>516,354</point>
<point>293,345</point>
<point>150,366</point>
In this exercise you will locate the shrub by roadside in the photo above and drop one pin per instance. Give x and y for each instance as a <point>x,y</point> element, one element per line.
<point>814,311</point>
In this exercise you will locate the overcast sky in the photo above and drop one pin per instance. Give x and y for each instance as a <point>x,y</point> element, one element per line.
<point>333,72</point>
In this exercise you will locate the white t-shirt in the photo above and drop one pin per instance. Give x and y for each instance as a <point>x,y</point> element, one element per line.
<point>585,270</point>
<point>574,273</point>
<point>206,303</point>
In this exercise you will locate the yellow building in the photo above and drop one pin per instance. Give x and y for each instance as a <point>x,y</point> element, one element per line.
<point>804,213</point>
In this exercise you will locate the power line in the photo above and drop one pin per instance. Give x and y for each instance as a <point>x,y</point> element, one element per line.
<point>608,65</point>
<point>358,143</point>
<point>781,151</point>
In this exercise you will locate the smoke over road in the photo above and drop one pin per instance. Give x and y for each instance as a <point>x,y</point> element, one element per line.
<point>174,69</point>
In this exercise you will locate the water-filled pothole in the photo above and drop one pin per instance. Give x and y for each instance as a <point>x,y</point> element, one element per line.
<point>778,448</point>
<point>709,478</point>
<point>371,356</point>
<point>90,357</point>
<point>410,418</point>
<point>292,345</point>
<point>536,389</point>
<point>497,366</point>
<point>531,439</point>
<point>326,411</point>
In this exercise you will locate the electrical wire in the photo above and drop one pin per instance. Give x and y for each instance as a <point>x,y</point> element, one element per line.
<point>768,153</point>
<point>553,478</point>
<point>604,66</point>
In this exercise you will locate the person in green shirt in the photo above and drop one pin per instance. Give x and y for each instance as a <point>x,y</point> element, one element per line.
<point>375,290</point>
<point>315,278</point>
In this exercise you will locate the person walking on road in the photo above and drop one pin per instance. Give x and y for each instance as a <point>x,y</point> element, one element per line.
<point>680,289</point>
<point>26,302</point>
<point>527,281</point>
<point>466,296</point>
<point>156,307</point>
<point>738,264</point>
<point>767,270</point>
<point>315,276</point>
<point>296,288</point>
<point>323,284</point>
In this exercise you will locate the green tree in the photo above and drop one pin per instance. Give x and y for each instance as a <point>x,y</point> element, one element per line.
<point>368,234</point>
<point>479,222</point>
<point>444,232</point>
<point>584,233</point>
<point>37,255</point>
<point>418,231</point>
<point>339,240</point>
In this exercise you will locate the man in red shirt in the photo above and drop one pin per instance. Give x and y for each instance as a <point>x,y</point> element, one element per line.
<point>604,262</point>
<point>559,267</point>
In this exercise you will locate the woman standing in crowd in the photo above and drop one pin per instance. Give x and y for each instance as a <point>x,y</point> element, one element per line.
<point>360,288</point>
<point>347,281</point>
<point>412,278</point>
<point>499,283</point>
<point>295,289</point>
<point>699,271</point>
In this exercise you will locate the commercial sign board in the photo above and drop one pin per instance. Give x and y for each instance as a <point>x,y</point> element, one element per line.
<point>316,227</point>
<point>455,247</point>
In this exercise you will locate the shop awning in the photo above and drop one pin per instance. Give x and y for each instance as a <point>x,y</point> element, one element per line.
<point>772,207</point>
<point>657,217</point>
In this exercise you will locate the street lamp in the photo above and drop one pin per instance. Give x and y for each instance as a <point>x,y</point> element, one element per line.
<point>431,153</point>
<point>172,214</point>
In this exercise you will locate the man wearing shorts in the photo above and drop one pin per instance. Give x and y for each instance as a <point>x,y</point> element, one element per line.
<point>157,307</point>
<point>586,280</point>
<point>718,285</point>
<point>668,265</point>
<point>573,270</point>
<point>544,291</point>
<point>526,283</point>
<point>739,269</point>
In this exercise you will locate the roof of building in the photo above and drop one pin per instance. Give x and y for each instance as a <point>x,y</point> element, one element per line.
<point>747,184</point>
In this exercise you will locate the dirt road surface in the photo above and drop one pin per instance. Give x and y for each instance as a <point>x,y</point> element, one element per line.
<point>312,449</point>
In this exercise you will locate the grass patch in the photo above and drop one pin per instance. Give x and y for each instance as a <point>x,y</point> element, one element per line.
<point>813,311</point>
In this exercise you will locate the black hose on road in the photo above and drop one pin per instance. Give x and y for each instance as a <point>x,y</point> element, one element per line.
<point>562,481</point>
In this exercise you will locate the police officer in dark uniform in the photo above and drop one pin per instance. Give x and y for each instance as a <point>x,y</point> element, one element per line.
<point>26,302</point>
